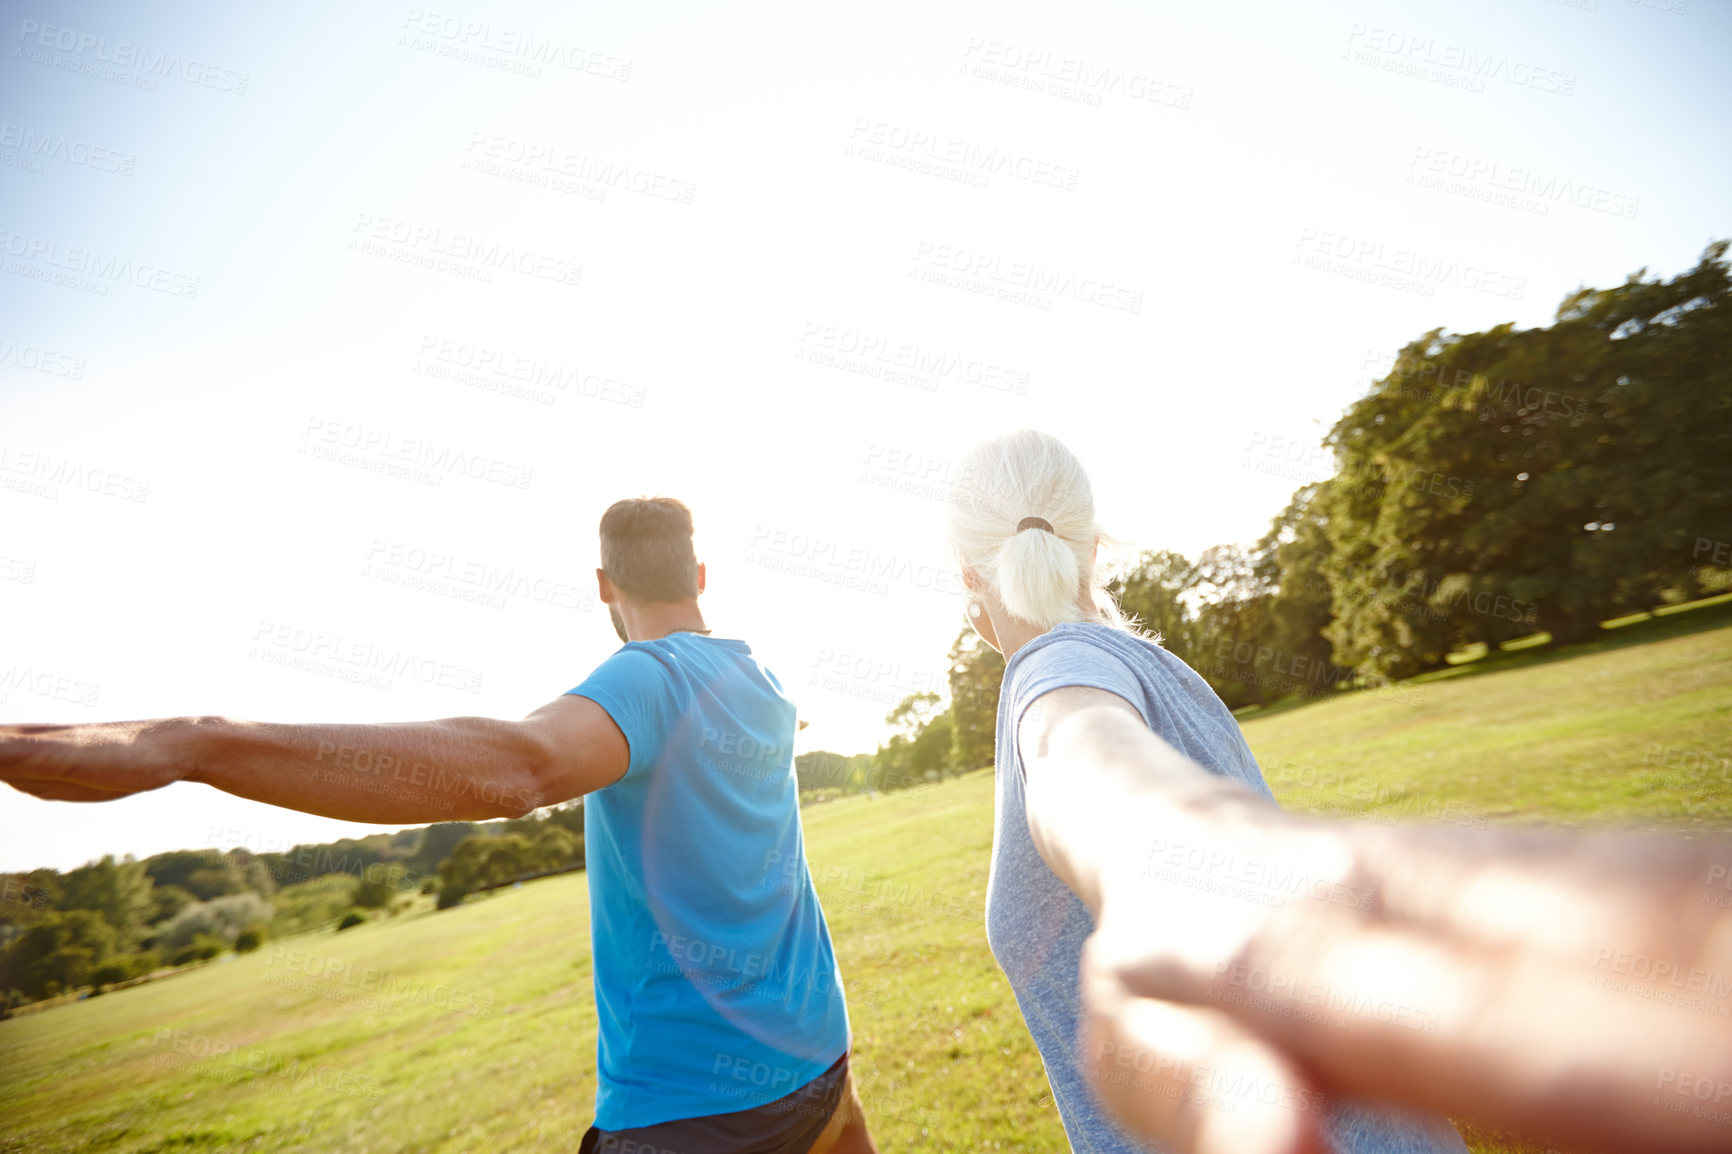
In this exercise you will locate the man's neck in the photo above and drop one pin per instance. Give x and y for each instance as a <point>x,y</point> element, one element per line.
<point>654,620</point>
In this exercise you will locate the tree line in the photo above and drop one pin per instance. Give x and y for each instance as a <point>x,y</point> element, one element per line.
<point>110,922</point>
<point>1489,486</point>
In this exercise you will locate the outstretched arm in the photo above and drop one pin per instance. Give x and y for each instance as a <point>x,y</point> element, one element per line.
<point>1562,984</point>
<point>460,768</point>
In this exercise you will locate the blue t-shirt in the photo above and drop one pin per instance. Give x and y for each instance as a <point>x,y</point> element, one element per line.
<point>1036,925</point>
<point>716,987</point>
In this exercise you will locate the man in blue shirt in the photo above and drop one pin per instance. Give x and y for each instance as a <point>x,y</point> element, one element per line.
<point>723,1028</point>
<point>716,986</point>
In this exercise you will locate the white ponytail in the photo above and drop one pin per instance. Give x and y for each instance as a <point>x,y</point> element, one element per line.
<point>1038,577</point>
<point>1042,577</point>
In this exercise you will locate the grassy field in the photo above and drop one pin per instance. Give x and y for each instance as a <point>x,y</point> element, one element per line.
<point>473,1029</point>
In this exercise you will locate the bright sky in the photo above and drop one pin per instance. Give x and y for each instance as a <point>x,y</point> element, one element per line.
<point>782,263</point>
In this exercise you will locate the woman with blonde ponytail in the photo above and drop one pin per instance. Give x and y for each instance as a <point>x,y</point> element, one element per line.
<point>1022,527</point>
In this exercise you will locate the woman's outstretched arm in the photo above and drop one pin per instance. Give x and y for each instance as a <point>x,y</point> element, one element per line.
<point>1249,964</point>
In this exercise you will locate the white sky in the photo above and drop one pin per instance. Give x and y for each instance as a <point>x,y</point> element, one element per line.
<point>1268,137</point>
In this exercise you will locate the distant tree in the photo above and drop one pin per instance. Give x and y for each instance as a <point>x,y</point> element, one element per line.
<point>555,846</point>
<point>374,890</point>
<point>439,840</point>
<point>976,672</point>
<point>223,918</point>
<point>118,891</point>
<point>1512,480</point>
<point>61,952</point>
<point>202,948</point>
<point>1152,591</point>
<point>167,901</point>
<point>205,874</point>
<point>820,769</point>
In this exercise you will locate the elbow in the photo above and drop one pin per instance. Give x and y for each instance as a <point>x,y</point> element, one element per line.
<point>525,787</point>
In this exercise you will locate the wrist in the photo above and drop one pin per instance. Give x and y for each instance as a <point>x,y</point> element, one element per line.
<point>187,743</point>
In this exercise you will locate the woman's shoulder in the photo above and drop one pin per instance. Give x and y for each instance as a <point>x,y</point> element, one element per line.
<point>1073,637</point>
<point>1070,647</point>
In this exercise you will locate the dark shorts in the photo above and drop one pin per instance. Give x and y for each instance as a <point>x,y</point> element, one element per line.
<point>789,1125</point>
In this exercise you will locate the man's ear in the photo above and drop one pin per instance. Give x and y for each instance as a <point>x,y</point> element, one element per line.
<point>606,587</point>
<point>701,576</point>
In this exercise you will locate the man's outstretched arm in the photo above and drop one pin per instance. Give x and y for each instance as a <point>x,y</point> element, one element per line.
<point>460,768</point>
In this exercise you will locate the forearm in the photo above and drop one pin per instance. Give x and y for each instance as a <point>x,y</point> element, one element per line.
<point>1103,792</point>
<point>461,768</point>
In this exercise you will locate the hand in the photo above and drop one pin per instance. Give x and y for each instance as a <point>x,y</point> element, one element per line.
<point>97,762</point>
<point>1571,986</point>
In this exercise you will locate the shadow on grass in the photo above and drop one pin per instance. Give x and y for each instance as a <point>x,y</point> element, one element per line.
<point>1632,632</point>
<point>1526,652</point>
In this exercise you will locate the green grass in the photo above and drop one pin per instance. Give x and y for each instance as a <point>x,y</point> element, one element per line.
<point>1635,728</point>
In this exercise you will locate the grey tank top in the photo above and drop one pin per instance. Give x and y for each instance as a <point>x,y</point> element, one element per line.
<point>1035,924</point>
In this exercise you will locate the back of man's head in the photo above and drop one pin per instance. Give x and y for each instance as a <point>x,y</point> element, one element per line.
<point>646,549</point>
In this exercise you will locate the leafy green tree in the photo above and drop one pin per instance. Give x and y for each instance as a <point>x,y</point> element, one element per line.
<point>555,846</point>
<point>1509,480</point>
<point>118,891</point>
<point>167,901</point>
<point>439,840</point>
<point>1151,594</point>
<point>61,952</point>
<point>222,918</point>
<point>976,673</point>
<point>820,769</point>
